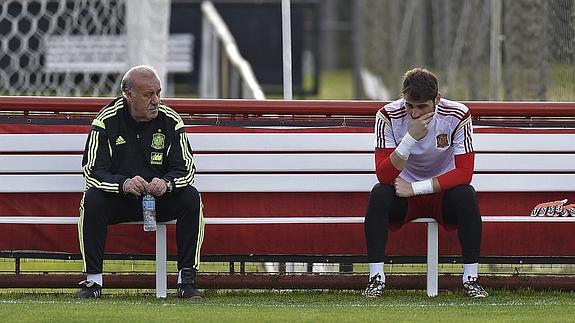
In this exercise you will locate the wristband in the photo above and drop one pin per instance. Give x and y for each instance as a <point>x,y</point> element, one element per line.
<point>422,187</point>
<point>404,148</point>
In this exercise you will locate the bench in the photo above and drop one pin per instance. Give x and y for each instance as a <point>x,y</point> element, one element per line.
<point>288,191</point>
<point>305,174</point>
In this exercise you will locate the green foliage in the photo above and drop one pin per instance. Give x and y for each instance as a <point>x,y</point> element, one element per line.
<point>272,305</point>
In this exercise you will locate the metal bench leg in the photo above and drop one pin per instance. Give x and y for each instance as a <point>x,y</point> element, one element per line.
<point>161,261</point>
<point>432,258</point>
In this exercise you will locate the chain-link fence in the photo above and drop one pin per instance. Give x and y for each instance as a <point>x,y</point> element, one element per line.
<point>81,47</point>
<point>25,29</point>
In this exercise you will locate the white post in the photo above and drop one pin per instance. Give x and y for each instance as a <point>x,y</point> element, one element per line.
<point>287,77</point>
<point>495,51</point>
<point>209,62</point>
<point>286,37</point>
<point>161,261</point>
<point>432,258</point>
<point>148,28</point>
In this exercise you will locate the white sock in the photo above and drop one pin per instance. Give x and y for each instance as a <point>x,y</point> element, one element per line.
<point>469,270</point>
<point>376,268</point>
<point>180,277</point>
<point>97,278</point>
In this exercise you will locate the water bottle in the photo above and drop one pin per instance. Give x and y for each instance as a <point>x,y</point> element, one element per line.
<point>149,212</point>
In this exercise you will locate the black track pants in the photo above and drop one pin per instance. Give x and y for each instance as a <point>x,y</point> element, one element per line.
<point>459,206</point>
<point>99,209</point>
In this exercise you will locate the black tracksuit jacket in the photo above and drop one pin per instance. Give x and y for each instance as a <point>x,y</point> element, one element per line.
<point>119,148</point>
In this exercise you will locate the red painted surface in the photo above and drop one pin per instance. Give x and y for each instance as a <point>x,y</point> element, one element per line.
<point>499,238</point>
<point>295,107</point>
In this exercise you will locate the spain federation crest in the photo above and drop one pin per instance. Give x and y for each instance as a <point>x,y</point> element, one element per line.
<point>441,140</point>
<point>158,141</point>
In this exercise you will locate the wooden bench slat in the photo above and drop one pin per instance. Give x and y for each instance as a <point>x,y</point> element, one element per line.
<point>229,163</point>
<point>524,142</point>
<point>301,142</point>
<point>285,163</point>
<point>515,163</point>
<point>42,142</point>
<point>364,142</point>
<point>40,163</point>
<point>364,162</point>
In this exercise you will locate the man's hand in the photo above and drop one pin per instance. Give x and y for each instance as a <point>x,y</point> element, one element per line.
<point>135,186</point>
<point>554,208</point>
<point>402,188</point>
<point>417,128</point>
<point>157,187</point>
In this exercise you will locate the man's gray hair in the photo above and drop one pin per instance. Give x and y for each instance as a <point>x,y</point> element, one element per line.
<point>127,84</point>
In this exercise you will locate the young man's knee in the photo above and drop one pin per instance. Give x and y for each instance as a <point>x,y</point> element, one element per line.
<point>382,191</point>
<point>465,191</point>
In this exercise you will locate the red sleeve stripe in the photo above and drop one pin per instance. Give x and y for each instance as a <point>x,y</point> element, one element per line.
<point>400,113</point>
<point>449,111</point>
<point>467,138</point>
<point>384,112</point>
<point>380,132</point>
<point>468,143</point>
<point>462,109</point>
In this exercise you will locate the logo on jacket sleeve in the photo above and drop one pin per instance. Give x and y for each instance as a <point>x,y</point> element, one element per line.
<point>158,140</point>
<point>441,140</point>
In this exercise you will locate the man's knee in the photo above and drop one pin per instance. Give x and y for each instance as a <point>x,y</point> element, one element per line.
<point>463,192</point>
<point>189,198</point>
<point>462,203</point>
<point>381,191</point>
<point>95,199</point>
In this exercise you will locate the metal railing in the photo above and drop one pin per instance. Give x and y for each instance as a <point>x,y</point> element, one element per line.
<point>224,73</point>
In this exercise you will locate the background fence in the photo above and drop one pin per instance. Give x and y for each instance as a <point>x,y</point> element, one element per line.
<point>513,50</point>
<point>516,50</point>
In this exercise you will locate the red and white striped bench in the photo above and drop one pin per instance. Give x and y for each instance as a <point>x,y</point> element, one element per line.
<point>330,173</point>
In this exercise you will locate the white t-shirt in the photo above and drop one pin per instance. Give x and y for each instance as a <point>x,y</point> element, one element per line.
<point>449,134</point>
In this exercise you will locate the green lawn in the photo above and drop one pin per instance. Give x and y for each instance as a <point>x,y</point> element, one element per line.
<point>333,85</point>
<point>301,306</point>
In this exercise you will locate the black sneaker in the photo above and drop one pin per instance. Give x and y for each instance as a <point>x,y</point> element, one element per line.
<point>90,289</point>
<point>375,287</point>
<point>472,288</point>
<point>188,288</point>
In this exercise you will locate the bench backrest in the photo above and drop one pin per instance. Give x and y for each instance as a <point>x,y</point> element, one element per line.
<point>294,162</point>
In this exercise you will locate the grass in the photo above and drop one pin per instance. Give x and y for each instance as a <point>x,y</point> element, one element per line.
<point>333,85</point>
<point>301,306</point>
<point>336,85</point>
